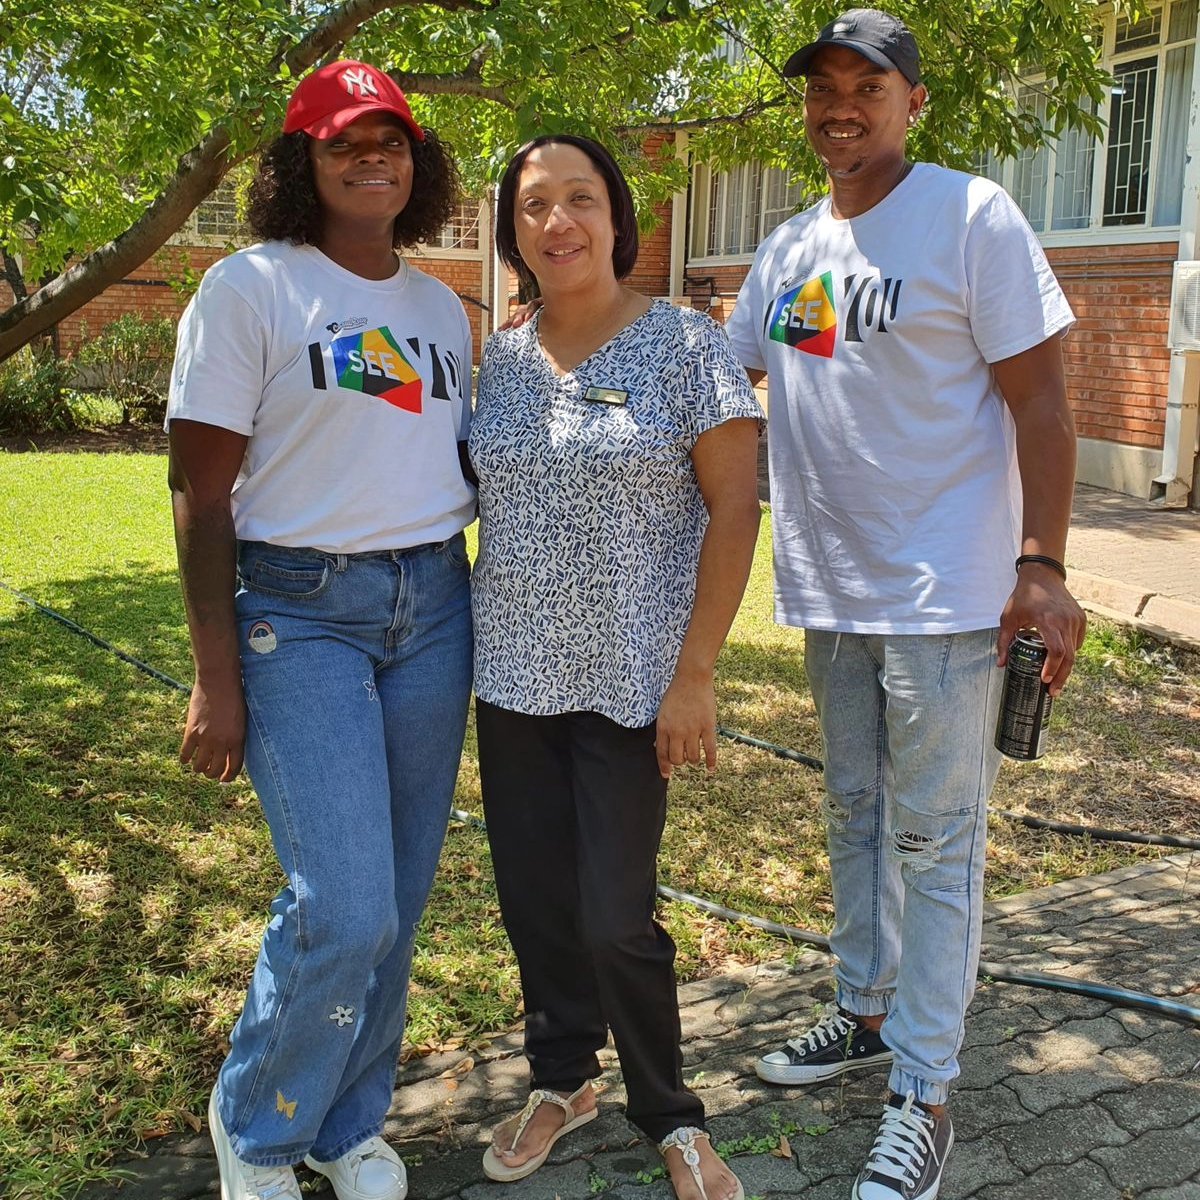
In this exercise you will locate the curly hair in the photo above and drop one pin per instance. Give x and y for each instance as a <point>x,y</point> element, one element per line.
<point>283,197</point>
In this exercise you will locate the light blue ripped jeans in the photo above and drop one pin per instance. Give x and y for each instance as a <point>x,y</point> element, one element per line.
<point>357,673</point>
<point>908,723</point>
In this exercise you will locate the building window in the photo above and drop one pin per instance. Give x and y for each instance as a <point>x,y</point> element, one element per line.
<point>1133,177</point>
<point>732,211</point>
<point>217,214</point>
<point>1130,124</point>
<point>1032,166</point>
<point>461,232</point>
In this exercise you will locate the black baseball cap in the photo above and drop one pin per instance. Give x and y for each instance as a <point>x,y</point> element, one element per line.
<point>878,36</point>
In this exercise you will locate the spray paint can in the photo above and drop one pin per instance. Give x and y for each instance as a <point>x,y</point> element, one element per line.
<point>1026,702</point>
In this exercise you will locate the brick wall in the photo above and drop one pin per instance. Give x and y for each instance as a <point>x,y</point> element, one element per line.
<point>1117,361</point>
<point>147,291</point>
<point>651,273</point>
<point>714,289</point>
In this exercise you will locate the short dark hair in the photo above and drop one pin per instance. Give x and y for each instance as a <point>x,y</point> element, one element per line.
<point>283,197</point>
<point>624,216</point>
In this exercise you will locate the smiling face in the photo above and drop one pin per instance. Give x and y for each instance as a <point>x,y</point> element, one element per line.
<point>563,219</point>
<point>363,175</point>
<point>856,115</point>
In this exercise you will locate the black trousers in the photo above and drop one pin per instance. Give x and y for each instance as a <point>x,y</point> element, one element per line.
<point>575,810</point>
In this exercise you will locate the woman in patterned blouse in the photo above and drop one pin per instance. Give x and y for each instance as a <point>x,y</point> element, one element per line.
<point>615,442</point>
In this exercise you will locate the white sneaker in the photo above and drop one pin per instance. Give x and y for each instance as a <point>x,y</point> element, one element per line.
<point>240,1180</point>
<point>371,1171</point>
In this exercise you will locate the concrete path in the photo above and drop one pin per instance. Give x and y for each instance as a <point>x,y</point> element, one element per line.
<point>1061,1098</point>
<point>1137,563</point>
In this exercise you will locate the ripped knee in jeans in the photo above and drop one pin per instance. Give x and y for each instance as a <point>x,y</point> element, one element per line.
<point>915,850</point>
<point>836,814</point>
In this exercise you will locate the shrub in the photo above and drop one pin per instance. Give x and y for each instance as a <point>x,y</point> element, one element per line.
<point>130,361</point>
<point>32,399</point>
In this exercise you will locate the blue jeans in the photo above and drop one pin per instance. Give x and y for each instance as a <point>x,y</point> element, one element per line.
<point>357,674</point>
<point>908,723</point>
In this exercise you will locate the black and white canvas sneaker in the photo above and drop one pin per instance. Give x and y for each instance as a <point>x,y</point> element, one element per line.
<point>836,1043</point>
<point>908,1156</point>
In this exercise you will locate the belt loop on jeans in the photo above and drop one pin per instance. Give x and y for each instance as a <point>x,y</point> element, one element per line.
<point>340,562</point>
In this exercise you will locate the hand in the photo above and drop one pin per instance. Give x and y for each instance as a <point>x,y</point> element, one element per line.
<point>214,737</point>
<point>522,314</point>
<point>687,724</point>
<point>1041,601</point>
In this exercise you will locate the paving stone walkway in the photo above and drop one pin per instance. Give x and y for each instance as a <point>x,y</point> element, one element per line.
<point>1061,1098</point>
<point>1136,563</point>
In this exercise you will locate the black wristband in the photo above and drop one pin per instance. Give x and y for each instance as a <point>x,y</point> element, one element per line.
<point>1045,560</point>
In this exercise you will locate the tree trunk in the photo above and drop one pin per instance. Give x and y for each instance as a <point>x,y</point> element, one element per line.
<point>199,172</point>
<point>15,278</point>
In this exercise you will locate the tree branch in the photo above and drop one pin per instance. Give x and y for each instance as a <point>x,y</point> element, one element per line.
<point>199,171</point>
<point>13,275</point>
<point>739,118</point>
<point>462,83</point>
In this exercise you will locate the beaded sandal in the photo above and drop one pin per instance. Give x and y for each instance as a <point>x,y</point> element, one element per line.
<point>684,1140</point>
<point>494,1167</point>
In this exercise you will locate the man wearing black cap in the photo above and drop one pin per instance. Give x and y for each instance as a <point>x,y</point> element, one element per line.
<point>922,457</point>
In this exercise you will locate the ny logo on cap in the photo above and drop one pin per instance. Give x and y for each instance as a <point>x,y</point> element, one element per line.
<point>844,26</point>
<point>360,80</point>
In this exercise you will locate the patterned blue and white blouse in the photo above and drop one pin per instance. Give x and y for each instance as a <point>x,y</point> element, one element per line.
<point>591,518</point>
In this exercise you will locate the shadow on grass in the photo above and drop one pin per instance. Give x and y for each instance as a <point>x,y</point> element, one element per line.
<point>125,886</point>
<point>132,894</point>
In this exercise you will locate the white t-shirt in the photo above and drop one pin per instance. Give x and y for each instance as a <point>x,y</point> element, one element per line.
<point>354,394</point>
<point>895,497</point>
<point>590,516</point>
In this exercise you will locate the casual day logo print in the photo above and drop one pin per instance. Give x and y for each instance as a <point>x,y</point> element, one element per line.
<point>805,318</point>
<point>373,363</point>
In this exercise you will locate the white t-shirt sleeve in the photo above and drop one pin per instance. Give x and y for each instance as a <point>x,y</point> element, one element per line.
<point>463,422</point>
<point>220,360</point>
<point>744,327</point>
<point>1014,301</point>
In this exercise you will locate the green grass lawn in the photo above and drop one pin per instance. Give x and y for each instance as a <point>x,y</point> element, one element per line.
<point>132,894</point>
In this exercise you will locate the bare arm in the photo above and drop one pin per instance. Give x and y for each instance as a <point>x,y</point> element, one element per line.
<point>204,462</point>
<point>1034,389</point>
<point>725,459</point>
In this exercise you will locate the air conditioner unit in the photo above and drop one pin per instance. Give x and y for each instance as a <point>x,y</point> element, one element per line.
<point>1183,334</point>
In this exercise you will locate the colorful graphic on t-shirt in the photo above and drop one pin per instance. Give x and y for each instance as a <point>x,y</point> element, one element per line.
<point>373,363</point>
<point>805,319</point>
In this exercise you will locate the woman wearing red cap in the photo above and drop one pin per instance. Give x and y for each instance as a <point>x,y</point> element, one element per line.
<point>318,401</point>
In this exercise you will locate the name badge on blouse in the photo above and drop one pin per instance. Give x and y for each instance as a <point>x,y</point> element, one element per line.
<point>599,395</point>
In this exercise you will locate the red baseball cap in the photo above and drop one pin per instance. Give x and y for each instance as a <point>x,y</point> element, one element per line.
<point>328,100</point>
